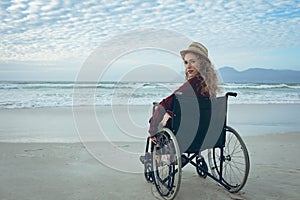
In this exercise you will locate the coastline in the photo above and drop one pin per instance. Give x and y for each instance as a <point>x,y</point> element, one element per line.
<point>130,123</point>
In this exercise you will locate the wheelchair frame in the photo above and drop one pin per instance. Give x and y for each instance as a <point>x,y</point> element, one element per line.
<point>165,159</point>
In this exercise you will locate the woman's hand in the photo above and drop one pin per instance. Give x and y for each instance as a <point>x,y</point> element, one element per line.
<point>153,139</point>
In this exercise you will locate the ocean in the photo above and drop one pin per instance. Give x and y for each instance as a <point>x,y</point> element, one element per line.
<point>16,95</point>
<point>42,111</point>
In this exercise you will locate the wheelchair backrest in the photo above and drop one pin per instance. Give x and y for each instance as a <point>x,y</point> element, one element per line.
<point>199,123</point>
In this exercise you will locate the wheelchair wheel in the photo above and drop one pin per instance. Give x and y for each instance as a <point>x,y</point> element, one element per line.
<point>234,161</point>
<point>166,163</point>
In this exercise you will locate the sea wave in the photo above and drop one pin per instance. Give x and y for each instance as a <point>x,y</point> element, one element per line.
<point>259,86</point>
<point>62,94</point>
<point>71,85</point>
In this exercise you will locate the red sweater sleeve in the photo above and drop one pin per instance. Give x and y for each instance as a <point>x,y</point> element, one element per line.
<point>166,104</point>
<point>161,109</point>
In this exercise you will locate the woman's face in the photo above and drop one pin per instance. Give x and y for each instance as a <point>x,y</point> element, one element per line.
<point>192,64</point>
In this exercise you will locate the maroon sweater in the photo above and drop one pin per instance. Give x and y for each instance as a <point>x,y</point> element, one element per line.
<point>189,88</point>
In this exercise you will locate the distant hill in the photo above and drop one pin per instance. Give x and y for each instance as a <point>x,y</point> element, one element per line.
<point>259,75</point>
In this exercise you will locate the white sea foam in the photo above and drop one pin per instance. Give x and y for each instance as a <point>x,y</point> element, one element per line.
<point>60,94</point>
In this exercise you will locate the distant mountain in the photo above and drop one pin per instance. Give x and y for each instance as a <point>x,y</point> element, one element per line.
<point>259,75</point>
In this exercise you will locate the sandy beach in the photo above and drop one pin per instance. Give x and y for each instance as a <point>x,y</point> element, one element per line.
<point>43,158</point>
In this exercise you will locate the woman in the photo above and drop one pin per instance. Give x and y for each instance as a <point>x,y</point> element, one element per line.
<point>201,81</point>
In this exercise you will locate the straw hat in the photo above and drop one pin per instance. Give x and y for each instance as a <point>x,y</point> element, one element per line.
<point>197,48</point>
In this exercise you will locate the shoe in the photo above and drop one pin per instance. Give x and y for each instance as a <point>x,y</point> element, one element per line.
<point>142,159</point>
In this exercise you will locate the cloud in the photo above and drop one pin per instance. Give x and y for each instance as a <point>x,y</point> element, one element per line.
<point>61,30</point>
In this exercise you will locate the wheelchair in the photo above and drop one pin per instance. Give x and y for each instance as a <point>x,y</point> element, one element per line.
<point>198,124</point>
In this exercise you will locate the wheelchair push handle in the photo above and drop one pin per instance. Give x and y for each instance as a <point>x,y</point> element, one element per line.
<point>154,106</point>
<point>155,103</point>
<point>234,94</point>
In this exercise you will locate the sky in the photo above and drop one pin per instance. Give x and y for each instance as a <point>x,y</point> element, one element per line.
<point>54,39</point>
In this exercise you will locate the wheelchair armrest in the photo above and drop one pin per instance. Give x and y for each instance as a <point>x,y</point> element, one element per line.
<point>234,94</point>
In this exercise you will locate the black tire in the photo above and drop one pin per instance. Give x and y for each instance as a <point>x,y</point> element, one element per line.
<point>201,163</point>
<point>236,163</point>
<point>148,171</point>
<point>166,162</point>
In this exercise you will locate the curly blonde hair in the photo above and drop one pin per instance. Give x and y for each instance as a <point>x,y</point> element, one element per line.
<point>208,78</point>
